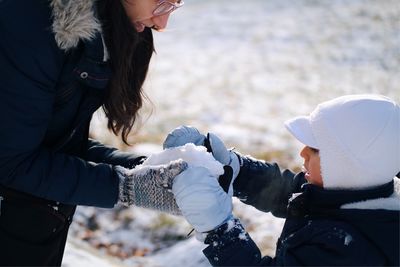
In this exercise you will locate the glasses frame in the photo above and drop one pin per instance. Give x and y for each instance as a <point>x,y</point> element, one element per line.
<point>172,7</point>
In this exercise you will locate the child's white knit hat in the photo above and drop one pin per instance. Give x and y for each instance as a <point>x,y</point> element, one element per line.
<point>358,137</point>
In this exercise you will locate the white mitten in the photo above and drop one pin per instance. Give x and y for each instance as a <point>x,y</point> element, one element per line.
<point>201,199</point>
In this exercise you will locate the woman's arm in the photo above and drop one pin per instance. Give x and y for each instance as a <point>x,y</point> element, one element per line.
<point>30,66</point>
<point>100,153</point>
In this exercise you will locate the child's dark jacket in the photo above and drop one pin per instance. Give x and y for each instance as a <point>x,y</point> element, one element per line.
<point>323,227</point>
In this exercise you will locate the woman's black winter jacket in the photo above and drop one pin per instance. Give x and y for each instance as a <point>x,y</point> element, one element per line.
<point>53,75</point>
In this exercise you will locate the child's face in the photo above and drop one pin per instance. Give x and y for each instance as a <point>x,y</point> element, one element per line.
<point>312,165</point>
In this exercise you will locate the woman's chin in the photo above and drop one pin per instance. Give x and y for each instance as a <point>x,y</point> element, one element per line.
<point>139,26</point>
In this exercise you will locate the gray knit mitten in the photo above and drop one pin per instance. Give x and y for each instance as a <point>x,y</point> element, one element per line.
<point>150,186</point>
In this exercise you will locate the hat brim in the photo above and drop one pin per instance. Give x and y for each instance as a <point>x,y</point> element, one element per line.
<point>300,128</point>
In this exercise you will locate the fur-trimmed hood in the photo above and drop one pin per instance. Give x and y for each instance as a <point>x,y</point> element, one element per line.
<point>74,20</point>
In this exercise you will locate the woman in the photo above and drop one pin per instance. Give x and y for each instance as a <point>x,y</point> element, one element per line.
<point>60,61</point>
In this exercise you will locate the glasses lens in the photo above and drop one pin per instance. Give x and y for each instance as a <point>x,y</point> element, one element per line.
<point>164,8</point>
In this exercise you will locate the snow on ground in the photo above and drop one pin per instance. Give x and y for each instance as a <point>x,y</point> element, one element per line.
<point>240,69</point>
<point>77,255</point>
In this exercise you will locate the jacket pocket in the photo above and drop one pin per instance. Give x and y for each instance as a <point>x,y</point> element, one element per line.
<point>31,223</point>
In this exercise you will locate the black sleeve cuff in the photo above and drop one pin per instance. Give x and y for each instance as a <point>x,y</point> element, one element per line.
<point>231,245</point>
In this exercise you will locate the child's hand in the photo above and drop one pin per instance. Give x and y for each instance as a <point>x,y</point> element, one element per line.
<point>201,199</point>
<point>183,135</point>
<point>228,158</point>
<point>187,134</point>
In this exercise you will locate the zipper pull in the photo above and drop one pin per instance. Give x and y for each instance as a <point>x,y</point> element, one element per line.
<point>1,199</point>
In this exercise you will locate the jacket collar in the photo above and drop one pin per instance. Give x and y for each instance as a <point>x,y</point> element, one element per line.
<point>387,203</point>
<point>74,21</point>
<point>314,200</point>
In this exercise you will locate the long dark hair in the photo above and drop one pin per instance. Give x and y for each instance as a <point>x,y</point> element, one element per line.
<point>130,53</point>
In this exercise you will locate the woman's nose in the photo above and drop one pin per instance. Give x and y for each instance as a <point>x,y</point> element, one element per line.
<point>160,22</point>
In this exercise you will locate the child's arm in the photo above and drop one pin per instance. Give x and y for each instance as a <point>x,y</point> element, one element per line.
<point>208,208</point>
<point>319,243</point>
<point>256,182</point>
<point>263,185</point>
<point>231,245</point>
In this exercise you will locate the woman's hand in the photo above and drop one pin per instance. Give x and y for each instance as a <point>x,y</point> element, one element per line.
<point>150,186</point>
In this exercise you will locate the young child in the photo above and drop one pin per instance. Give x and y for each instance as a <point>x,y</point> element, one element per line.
<point>342,210</point>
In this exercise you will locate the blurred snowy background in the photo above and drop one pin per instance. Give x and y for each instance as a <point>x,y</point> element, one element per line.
<point>240,69</point>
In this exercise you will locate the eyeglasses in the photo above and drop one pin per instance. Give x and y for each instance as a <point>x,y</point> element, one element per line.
<point>164,7</point>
